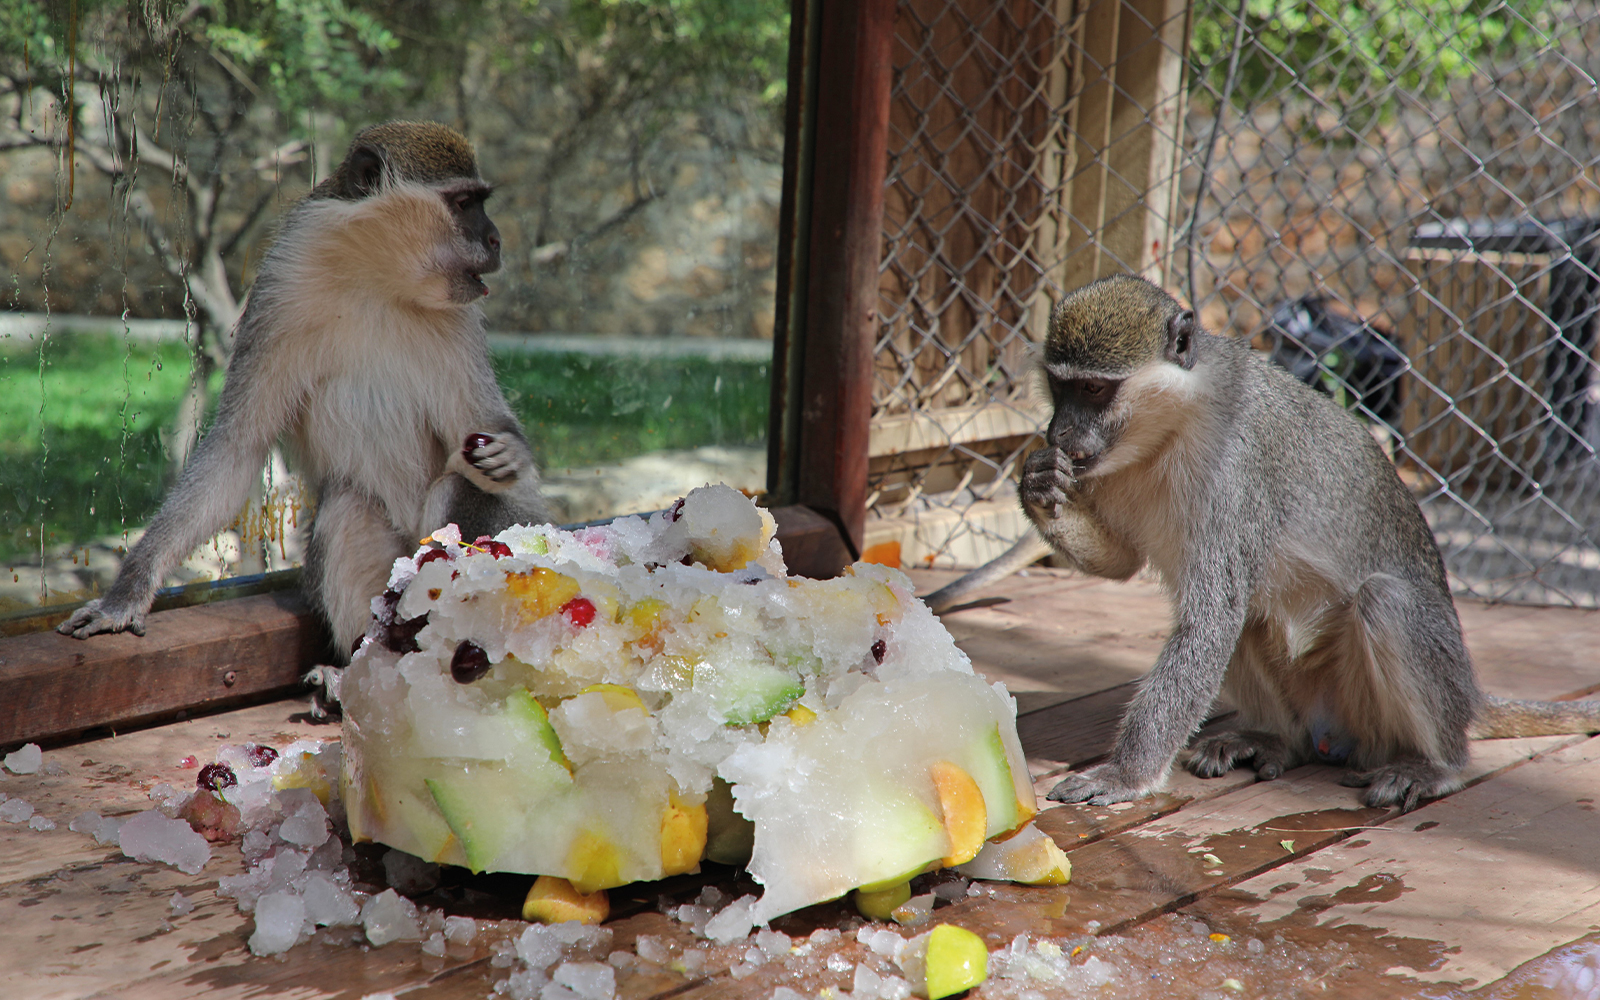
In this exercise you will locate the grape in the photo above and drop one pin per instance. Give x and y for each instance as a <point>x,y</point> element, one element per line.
<point>469,663</point>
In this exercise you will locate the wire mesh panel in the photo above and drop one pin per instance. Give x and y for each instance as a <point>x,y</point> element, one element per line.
<point>1399,200</point>
<point>1033,147</point>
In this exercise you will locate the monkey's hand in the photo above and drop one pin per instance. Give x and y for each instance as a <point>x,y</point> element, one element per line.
<point>492,461</point>
<point>1098,786</point>
<point>104,615</point>
<point>1047,483</point>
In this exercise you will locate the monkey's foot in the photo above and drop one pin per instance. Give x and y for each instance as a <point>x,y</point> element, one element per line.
<point>1098,786</point>
<point>1404,783</point>
<point>324,682</point>
<point>97,617</point>
<point>1214,756</point>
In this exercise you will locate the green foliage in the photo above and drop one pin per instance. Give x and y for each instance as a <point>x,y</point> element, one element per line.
<point>1356,54</point>
<point>308,53</point>
<point>580,409</point>
<point>82,422</point>
<point>690,38</point>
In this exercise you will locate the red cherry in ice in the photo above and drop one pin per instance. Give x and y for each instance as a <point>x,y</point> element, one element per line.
<point>430,555</point>
<point>497,549</point>
<point>473,443</point>
<point>215,777</point>
<point>579,611</point>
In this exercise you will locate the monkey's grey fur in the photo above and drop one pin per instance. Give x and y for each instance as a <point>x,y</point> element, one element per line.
<point>1305,582</point>
<point>362,347</point>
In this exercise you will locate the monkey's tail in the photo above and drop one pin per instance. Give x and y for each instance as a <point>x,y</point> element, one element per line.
<point>1029,549</point>
<point>1499,718</point>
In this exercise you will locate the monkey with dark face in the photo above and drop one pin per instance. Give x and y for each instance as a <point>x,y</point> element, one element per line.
<point>1305,582</point>
<point>362,347</point>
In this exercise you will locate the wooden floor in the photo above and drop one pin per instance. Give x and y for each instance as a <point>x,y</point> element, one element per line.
<point>1495,888</point>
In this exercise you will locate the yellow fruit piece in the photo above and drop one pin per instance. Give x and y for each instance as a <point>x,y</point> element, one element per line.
<point>801,715</point>
<point>881,904</point>
<point>683,836</point>
<point>965,818</point>
<point>1040,862</point>
<point>541,592</point>
<point>957,960</point>
<point>554,900</point>
<point>594,860</point>
<point>646,615</point>
<point>618,697</point>
<point>303,773</point>
<point>1220,939</point>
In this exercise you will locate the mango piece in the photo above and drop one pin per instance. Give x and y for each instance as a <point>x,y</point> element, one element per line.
<point>801,715</point>
<point>683,836</point>
<point>554,900</point>
<point>618,697</point>
<point>956,960</point>
<point>880,904</point>
<point>595,861</point>
<point>966,819</point>
<point>646,615</point>
<point>540,593</point>
<point>303,772</point>
<point>1030,857</point>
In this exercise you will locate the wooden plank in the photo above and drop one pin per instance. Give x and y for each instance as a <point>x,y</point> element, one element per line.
<point>196,658</point>
<point>812,544</point>
<point>846,233</point>
<point>1495,875</point>
<point>939,429</point>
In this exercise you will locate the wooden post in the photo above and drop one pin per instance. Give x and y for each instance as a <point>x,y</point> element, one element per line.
<point>826,354</point>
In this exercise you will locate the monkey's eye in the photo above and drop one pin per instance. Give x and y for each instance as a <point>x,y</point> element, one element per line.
<point>1093,389</point>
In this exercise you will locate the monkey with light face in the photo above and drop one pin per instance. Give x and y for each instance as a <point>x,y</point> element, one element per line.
<point>362,347</point>
<point>1305,583</point>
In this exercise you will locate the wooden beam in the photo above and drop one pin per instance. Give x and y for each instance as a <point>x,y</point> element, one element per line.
<point>850,156</point>
<point>190,659</point>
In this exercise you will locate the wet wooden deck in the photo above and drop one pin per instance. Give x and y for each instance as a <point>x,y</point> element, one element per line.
<point>1494,889</point>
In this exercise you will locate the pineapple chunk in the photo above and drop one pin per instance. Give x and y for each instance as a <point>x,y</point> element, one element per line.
<point>554,900</point>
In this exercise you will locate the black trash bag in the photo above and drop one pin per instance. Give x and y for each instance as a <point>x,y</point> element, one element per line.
<point>1329,349</point>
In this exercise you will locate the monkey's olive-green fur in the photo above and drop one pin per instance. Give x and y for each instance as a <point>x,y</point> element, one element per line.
<point>1109,327</point>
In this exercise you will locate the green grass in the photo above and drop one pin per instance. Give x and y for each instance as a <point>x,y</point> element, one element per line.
<point>83,422</point>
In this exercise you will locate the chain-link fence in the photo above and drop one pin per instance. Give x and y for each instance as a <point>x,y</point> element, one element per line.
<point>1400,201</point>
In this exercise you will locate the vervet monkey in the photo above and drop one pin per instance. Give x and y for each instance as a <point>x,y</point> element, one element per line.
<point>1305,583</point>
<point>362,347</point>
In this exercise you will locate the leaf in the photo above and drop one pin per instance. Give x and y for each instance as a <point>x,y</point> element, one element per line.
<point>1287,845</point>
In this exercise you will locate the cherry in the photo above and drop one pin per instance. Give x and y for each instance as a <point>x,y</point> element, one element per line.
<point>579,611</point>
<point>431,555</point>
<point>473,442</point>
<point>215,777</point>
<point>260,756</point>
<point>497,549</point>
<point>879,648</point>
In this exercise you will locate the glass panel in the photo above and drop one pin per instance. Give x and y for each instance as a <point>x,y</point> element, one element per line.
<point>149,152</point>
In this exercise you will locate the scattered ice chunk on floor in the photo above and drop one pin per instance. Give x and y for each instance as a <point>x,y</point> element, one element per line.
<point>170,800</point>
<point>733,923</point>
<point>24,761</point>
<point>539,946</point>
<point>525,984</point>
<point>390,916</point>
<point>181,904</point>
<point>150,836</point>
<point>652,949</point>
<point>38,822</point>
<point>460,930</point>
<point>53,768</point>
<point>85,822</point>
<point>838,963</point>
<point>880,941</point>
<point>408,873</point>
<point>785,993</point>
<point>15,811</point>
<point>328,904</point>
<point>305,822</point>
<point>589,980</point>
<point>280,917</point>
<point>434,945</point>
<point>774,944</point>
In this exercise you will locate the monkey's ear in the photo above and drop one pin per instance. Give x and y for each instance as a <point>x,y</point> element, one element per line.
<point>1180,339</point>
<point>366,171</point>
